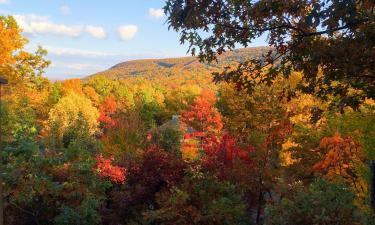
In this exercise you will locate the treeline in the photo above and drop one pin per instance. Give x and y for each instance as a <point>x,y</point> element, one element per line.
<point>136,151</point>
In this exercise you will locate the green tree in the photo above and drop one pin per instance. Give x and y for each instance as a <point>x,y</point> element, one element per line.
<point>200,200</point>
<point>321,203</point>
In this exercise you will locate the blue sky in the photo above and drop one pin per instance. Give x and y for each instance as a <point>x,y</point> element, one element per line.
<point>87,36</point>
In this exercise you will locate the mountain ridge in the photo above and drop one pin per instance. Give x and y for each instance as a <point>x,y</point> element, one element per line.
<point>167,67</point>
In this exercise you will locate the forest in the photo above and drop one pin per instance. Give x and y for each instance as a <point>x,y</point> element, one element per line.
<point>279,141</point>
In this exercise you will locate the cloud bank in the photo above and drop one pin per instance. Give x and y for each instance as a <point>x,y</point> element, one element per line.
<point>35,24</point>
<point>41,25</point>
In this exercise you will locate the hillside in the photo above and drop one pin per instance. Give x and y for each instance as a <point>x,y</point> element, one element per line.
<point>170,68</point>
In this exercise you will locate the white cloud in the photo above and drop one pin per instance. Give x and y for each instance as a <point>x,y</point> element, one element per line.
<point>75,52</point>
<point>4,1</point>
<point>127,32</point>
<point>77,66</point>
<point>96,32</point>
<point>35,24</point>
<point>65,10</point>
<point>155,13</point>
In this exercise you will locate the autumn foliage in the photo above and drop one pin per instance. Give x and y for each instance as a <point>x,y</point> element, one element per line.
<point>106,170</point>
<point>107,109</point>
<point>341,157</point>
<point>202,115</point>
<point>179,149</point>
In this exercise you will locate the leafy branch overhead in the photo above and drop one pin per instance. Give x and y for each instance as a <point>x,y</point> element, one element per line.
<point>328,40</point>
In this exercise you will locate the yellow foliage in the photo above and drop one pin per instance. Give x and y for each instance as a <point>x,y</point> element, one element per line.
<point>11,40</point>
<point>66,112</point>
<point>285,155</point>
<point>300,108</point>
<point>190,149</point>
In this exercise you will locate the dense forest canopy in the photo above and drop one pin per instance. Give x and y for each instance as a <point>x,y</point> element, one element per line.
<point>157,142</point>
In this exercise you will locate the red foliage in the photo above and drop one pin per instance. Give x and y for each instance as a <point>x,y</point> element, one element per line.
<point>107,109</point>
<point>202,115</point>
<point>224,152</point>
<point>105,170</point>
<point>158,167</point>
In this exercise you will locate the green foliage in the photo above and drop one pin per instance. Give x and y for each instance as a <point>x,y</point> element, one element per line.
<point>168,137</point>
<point>56,92</point>
<point>44,185</point>
<point>102,85</point>
<point>85,214</point>
<point>200,201</point>
<point>321,203</point>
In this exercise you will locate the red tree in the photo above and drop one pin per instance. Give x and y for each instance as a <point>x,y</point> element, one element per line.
<point>224,152</point>
<point>107,109</point>
<point>202,115</point>
<point>106,170</point>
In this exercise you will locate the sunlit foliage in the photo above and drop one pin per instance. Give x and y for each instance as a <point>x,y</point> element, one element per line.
<point>156,142</point>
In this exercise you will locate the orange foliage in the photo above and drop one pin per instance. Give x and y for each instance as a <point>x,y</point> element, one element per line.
<point>190,148</point>
<point>105,169</point>
<point>72,85</point>
<point>202,115</point>
<point>91,94</point>
<point>340,155</point>
<point>107,109</point>
<point>11,40</point>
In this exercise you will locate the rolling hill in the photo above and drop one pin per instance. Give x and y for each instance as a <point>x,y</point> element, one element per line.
<point>185,68</point>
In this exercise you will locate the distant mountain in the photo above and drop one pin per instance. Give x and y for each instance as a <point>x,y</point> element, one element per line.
<point>173,68</point>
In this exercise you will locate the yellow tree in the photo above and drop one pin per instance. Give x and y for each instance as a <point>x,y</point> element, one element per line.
<point>69,110</point>
<point>11,40</point>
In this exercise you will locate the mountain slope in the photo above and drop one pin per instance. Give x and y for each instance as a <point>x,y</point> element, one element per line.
<point>188,67</point>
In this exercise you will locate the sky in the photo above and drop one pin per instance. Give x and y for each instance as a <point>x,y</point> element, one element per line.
<point>83,37</point>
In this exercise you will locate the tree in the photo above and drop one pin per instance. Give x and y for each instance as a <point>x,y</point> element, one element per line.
<point>153,170</point>
<point>106,110</point>
<point>68,110</point>
<point>11,40</point>
<point>260,123</point>
<point>200,200</point>
<point>341,157</point>
<point>102,85</point>
<point>168,137</point>
<point>330,41</point>
<point>91,94</point>
<point>73,85</point>
<point>202,115</point>
<point>106,169</point>
<point>47,186</point>
<point>125,138</point>
<point>321,203</point>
